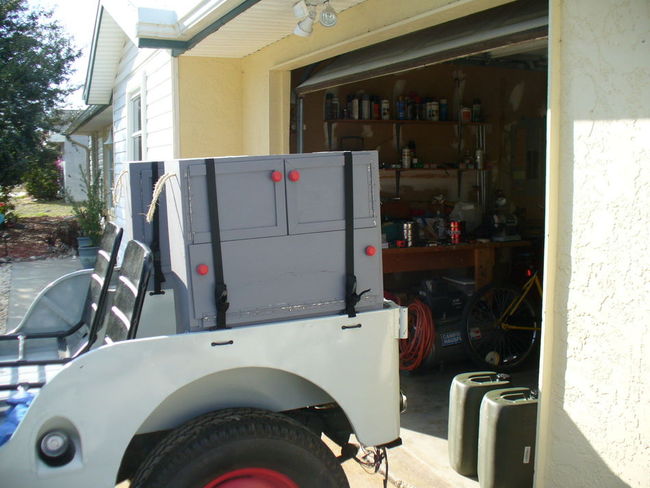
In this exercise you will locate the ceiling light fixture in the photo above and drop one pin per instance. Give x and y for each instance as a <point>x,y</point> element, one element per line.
<point>307,12</point>
<point>305,27</point>
<point>300,10</point>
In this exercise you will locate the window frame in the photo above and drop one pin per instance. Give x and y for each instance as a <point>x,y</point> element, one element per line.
<point>136,127</point>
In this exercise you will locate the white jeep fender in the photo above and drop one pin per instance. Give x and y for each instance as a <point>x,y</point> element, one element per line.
<point>107,396</point>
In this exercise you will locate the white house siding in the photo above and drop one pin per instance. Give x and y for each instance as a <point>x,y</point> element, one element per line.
<point>150,72</point>
<point>594,425</point>
<point>74,158</point>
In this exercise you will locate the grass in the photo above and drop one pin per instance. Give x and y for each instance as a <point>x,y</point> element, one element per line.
<point>27,207</point>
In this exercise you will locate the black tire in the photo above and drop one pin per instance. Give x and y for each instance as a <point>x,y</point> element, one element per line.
<point>239,441</point>
<point>487,344</point>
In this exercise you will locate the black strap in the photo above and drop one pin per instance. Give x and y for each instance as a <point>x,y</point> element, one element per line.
<point>351,296</point>
<point>220,290</point>
<point>158,276</point>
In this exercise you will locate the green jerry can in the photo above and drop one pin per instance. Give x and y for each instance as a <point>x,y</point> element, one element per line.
<point>506,438</point>
<point>465,395</point>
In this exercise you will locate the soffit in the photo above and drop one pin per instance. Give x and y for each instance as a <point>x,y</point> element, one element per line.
<point>106,50</point>
<point>262,24</point>
<point>94,119</point>
<point>209,28</point>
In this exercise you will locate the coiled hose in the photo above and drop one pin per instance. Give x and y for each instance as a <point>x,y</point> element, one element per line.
<point>414,350</point>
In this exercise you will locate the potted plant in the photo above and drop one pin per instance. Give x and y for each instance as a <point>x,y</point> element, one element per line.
<point>89,214</point>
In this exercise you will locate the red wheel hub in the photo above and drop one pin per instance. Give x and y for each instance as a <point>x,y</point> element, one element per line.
<point>252,478</point>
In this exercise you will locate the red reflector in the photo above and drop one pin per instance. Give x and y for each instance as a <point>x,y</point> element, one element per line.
<point>202,269</point>
<point>294,175</point>
<point>529,273</point>
<point>371,250</point>
<point>276,176</point>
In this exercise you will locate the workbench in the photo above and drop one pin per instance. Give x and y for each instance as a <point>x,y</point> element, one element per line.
<point>480,256</point>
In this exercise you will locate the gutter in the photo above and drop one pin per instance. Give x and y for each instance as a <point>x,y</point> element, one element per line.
<point>179,47</point>
<point>82,146</point>
<point>83,117</point>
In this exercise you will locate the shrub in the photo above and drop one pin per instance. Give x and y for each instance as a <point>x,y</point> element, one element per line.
<point>90,212</point>
<point>42,181</point>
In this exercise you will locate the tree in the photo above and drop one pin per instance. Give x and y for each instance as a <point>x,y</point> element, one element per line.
<point>37,58</point>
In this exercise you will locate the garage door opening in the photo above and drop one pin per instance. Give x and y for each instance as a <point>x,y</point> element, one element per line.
<point>457,114</point>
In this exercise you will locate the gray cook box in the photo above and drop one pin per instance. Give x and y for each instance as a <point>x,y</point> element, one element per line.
<point>142,177</point>
<point>282,235</point>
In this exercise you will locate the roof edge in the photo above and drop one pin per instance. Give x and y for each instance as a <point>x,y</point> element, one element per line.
<point>93,52</point>
<point>88,114</point>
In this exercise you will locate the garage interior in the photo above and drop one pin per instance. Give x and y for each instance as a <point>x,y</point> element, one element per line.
<point>481,161</point>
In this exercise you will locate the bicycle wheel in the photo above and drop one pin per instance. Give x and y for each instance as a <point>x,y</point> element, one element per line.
<point>489,344</point>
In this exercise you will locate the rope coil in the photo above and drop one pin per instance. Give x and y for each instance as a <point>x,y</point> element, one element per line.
<point>415,349</point>
<point>157,190</point>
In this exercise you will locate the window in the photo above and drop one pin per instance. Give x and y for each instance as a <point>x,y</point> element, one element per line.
<point>109,166</point>
<point>135,140</point>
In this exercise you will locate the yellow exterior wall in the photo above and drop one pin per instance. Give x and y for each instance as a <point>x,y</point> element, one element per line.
<point>209,107</point>
<point>266,80</point>
<point>594,425</point>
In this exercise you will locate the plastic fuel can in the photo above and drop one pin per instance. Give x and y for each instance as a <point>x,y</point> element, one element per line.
<point>506,438</point>
<point>465,395</point>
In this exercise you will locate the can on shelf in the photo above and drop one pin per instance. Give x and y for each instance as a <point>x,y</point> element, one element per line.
<point>443,109</point>
<point>456,231</point>
<point>406,157</point>
<point>385,110</point>
<point>466,114</point>
<point>435,110</point>
<point>408,229</point>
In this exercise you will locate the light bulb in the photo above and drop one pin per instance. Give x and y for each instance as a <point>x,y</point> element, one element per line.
<point>328,16</point>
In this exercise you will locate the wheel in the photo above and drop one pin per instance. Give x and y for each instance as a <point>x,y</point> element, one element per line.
<point>241,448</point>
<point>487,343</point>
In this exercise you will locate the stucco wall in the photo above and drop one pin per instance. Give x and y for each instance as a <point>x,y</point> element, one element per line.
<point>594,425</point>
<point>210,106</point>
